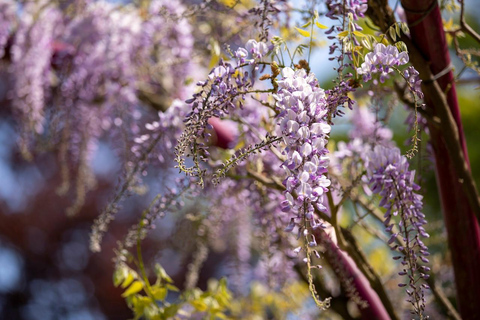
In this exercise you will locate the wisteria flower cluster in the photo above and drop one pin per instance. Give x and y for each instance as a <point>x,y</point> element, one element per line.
<point>303,126</point>
<point>258,188</point>
<point>7,17</point>
<point>346,13</point>
<point>389,176</point>
<point>155,145</point>
<point>31,53</point>
<point>356,7</point>
<point>366,133</point>
<point>382,60</point>
<point>414,82</point>
<point>224,90</point>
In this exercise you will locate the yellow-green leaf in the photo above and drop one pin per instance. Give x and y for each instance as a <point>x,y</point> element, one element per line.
<point>343,34</point>
<point>139,304</point>
<point>359,34</point>
<point>303,32</point>
<point>171,287</point>
<point>366,43</point>
<point>307,24</point>
<point>392,33</point>
<point>397,30</point>
<point>221,315</point>
<point>228,3</point>
<point>199,305</point>
<point>171,311</point>
<point>321,26</point>
<point>127,280</point>
<point>215,53</point>
<point>134,288</point>
<point>162,274</point>
<point>118,277</point>
<point>159,293</point>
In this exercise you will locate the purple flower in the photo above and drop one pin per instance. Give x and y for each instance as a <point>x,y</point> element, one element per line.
<point>356,7</point>
<point>414,82</point>
<point>257,49</point>
<point>302,124</point>
<point>389,176</point>
<point>7,18</point>
<point>381,60</point>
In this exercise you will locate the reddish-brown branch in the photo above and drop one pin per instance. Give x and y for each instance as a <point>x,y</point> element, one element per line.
<point>462,226</point>
<point>353,280</point>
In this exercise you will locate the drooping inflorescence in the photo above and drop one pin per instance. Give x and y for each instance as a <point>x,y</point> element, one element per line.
<point>385,172</point>
<point>271,179</point>
<point>225,89</point>
<point>382,60</point>
<point>345,14</point>
<point>303,126</point>
<point>389,176</point>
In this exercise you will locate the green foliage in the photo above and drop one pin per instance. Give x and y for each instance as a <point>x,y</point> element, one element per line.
<point>150,301</point>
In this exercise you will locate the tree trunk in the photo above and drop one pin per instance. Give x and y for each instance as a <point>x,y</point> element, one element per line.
<point>427,34</point>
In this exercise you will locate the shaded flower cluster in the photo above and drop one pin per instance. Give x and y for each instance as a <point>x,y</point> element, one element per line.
<point>225,89</point>
<point>382,60</point>
<point>366,133</point>
<point>80,72</point>
<point>414,82</point>
<point>337,7</point>
<point>389,176</point>
<point>266,13</point>
<point>157,146</point>
<point>7,17</point>
<point>303,126</point>
<point>31,53</point>
<point>346,13</point>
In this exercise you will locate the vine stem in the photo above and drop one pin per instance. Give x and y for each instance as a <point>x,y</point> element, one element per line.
<point>141,264</point>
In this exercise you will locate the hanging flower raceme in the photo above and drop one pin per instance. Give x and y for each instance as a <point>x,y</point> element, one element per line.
<point>389,176</point>
<point>356,7</point>
<point>382,60</point>
<point>31,53</point>
<point>225,89</point>
<point>414,82</point>
<point>7,18</point>
<point>303,126</point>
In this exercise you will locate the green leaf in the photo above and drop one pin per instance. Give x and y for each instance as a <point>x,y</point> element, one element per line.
<point>171,311</point>
<point>118,276</point>
<point>366,43</point>
<point>162,274</point>
<point>128,280</point>
<point>392,33</point>
<point>401,46</point>
<point>343,34</point>
<point>359,34</point>
<point>397,30</point>
<point>152,312</point>
<point>321,26</point>
<point>303,32</point>
<point>171,287</point>
<point>134,288</point>
<point>221,315</point>
<point>307,24</point>
<point>159,293</point>
<point>215,52</point>
<point>139,304</point>
<point>199,305</point>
